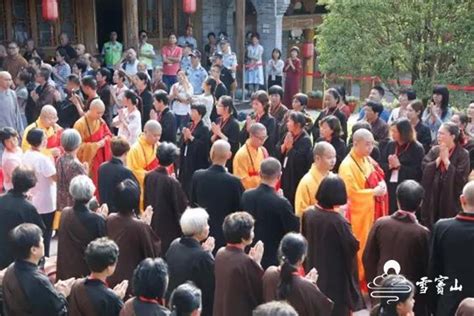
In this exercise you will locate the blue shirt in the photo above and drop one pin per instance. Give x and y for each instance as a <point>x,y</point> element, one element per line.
<point>196,77</point>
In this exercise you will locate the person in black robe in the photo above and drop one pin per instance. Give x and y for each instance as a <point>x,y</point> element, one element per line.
<point>238,275</point>
<point>330,131</point>
<point>285,282</point>
<point>401,159</point>
<point>135,238</point>
<point>26,289</point>
<point>462,120</point>
<point>423,132</point>
<point>91,295</point>
<point>15,209</point>
<point>452,249</point>
<point>331,101</point>
<point>166,196</point>
<point>277,109</point>
<point>261,106</point>
<point>195,145</point>
<point>295,154</point>
<point>274,216</point>
<point>401,229</point>
<point>445,171</point>
<point>113,172</point>
<point>373,110</point>
<point>216,190</point>
<point>104,91</point>
<point>332,247</point>
<point>226,127</point>
<point>142,84</point>
<point>150,280</point>
<point>79,226</point>
<point>189,261</point>
<point>162,113</point>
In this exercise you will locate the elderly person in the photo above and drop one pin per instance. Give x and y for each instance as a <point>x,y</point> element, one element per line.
<point>189,260</point>
<point>134,237</point>
<point>80,226</point>
<point>68,167</point>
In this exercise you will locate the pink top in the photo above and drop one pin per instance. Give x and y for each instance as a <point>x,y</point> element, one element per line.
<point>168,51</point>
<point>10,160</point>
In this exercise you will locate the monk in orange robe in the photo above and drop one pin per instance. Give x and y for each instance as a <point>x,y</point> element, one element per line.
<point>367,197</point>
<point>95,147</point>
<point>47,122</point>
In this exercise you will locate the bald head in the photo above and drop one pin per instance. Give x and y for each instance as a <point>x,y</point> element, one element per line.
<point>220,152</point>
<point>97,104</point>
<point>362,135</point>
<point>321,148</point>
<point>48,110</point>
<point>5,80</point>
<point>152,126</point>
<point>468,195</point>
<point>257,128</point>
<point>270,170</point>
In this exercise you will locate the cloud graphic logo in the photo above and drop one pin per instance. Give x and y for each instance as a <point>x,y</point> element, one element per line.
<point>397,285</point>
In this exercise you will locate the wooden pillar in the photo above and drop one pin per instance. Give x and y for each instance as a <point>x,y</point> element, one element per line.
<point>88,26</point>
<point>240,41</point>
<point>130,25</point>
<point>308,68</point>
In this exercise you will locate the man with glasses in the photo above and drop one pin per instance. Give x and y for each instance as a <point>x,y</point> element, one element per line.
<point>248,158</point>
<point>146,52</point>
<point>47,122</point>
<point>14,62</point>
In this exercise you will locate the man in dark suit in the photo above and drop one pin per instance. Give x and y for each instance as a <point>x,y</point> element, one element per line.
<point>452,251</point>
<point>273,213</point>
<point>216,190</point>
<point>162,113</point>
<point>113,172</point>
<point>15,209</point>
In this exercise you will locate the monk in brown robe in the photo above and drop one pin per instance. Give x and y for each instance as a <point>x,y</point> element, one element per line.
<point>95,146</point>
<point>238,275</point>
<point>401,229</point>
<point>135,238</point>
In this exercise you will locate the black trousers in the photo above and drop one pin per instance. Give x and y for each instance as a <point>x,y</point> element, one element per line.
<point>48,223</point>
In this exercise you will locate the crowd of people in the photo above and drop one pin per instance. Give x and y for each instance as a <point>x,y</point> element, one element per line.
<point>164,198</point>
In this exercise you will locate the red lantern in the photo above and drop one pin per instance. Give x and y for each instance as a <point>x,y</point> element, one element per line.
<point>189,6</point>
<point>308,49</point>
<point>50,10</point>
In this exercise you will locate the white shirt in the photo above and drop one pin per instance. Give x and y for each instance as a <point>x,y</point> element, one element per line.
<point>275,68</point>
<point>208,101</point>
<point>180,108</point>
<point>133,126</point>
<point>10,160</point>
<point>44,192</point>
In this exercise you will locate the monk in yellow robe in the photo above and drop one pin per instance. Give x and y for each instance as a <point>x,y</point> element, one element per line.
<point>47,122</point>
<point>248,158</point>
<point>141,158</point>
<point>366,192</point>
<point>324,156</point>
<point>96,136</point>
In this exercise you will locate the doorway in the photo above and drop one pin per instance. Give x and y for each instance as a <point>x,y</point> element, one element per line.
<point>109,18</point>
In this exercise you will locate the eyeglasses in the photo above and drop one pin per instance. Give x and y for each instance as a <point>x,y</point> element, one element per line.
<point>12,47</point>
<point>261,138</point>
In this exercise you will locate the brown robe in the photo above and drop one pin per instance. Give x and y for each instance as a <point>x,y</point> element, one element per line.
<point>136,241</point>
<point>305,296</point>
<point>238,283</point>
<point>412,250</point>
<point>165,195</point>
<point>136,307</point>
<point>92,297</point>
<point>442,189</point>
<point>332,250</point>
<point>79,226</point>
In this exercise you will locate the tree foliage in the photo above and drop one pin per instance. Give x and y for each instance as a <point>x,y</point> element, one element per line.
<point>427,41</point>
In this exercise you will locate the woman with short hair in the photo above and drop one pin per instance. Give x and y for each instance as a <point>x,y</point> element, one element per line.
<point>68,167</point>
<point>134,237</point>
<point>79,226</point>
<point>330,130</point>
<point>189,260</point>
<point>332,247</point>
<point>186,300</point>
<point>401,159</point>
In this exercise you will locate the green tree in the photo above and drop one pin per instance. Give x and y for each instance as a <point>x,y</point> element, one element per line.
<point>427,41</point>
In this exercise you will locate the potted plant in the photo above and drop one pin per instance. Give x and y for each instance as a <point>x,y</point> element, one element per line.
<point>315,100</point>
<point>352,103</point>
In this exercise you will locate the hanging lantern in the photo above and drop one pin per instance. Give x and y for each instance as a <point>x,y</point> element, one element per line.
<point>189,6</point>
<point>308,49</point>
<point>50,10</point>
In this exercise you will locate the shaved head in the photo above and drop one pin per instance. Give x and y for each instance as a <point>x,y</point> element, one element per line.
<point>5,80</point>
<point>220,151</point>
<point>321,148</point>
<point>97,104</point>
<point>468,194</point>
<point>362,134</point>
<point>48,110</point>
<point>5,74</point>
<point>152,126</point>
